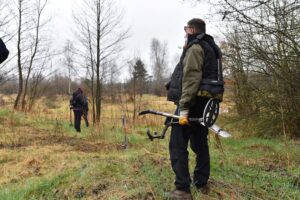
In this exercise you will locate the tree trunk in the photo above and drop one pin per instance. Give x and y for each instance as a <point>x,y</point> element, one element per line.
<point>20,89</point>
<point>134,98</point>
<point>92,73</point>
<point>98,84</point>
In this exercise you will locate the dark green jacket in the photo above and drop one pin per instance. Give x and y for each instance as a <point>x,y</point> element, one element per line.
<point>192,75</point>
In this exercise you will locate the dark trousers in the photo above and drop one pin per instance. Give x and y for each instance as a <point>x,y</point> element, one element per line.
<point>77,119</point>
<point>180,136</point>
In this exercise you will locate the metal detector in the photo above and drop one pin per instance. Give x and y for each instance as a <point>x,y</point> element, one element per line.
<point>210,115</point>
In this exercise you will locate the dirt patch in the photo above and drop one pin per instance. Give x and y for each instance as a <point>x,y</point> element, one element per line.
<point>42,138</point>
<point>260,147</point>
<point>12,146</point>
<point>78,144</point>
<point>275,164</point>
<point>242,161</point>
<point>296,181</point>
<point>269,163</point>
<point>3,119</point>
<point>93,147</point>
<point>96,190</point>
<point>80,193</point>
<point>218,188</point>
<point>32,168</point>
<point>149,196</point>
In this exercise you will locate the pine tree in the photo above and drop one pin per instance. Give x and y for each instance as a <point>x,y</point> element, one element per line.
<point>140,76</point>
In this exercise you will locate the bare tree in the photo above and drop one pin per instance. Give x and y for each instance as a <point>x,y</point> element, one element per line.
<point>159,64</point>
<point>36,86</point>
<point>21,12</point>
<point>6,18</point>
<point>114,73</point>
<point>101,33</point>
<point>69,61</point>
<point>239,73</point>
<point>32,48</point>
<point>35,46</point>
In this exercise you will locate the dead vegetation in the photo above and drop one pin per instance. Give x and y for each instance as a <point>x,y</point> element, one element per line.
<point>43,156</point>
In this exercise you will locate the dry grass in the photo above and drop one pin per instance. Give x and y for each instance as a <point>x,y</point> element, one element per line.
<point>42,157</point>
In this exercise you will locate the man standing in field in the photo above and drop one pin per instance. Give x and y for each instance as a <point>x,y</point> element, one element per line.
<point>77,103</point>
<point>199,61</point>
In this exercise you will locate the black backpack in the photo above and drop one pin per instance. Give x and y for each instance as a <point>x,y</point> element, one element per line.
<point>212,88</point>
<point>3,51</point>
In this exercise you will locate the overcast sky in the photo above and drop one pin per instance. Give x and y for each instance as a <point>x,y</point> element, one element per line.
<point>161,19</point>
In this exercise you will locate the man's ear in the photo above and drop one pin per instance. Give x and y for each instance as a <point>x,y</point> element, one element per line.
<point>194,31</point>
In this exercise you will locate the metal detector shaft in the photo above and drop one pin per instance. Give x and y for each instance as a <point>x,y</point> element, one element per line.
<point>215,128</point>
<point>154,112</point>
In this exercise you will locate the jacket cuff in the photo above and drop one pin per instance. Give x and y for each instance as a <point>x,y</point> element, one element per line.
<point>183,113</point>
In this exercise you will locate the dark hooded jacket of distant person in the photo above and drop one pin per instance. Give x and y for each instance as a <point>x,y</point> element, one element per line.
<point>77,100</point>
<point>3,51</point>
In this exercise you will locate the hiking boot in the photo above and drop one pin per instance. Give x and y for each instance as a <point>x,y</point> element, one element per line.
<point>180,195</point>
<point>204,189</point>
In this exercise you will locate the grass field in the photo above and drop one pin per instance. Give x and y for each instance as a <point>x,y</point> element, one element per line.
<point>42,157</point>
